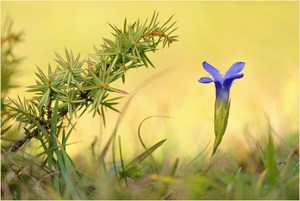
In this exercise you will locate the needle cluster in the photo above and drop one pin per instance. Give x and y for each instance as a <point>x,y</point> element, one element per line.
<point>76,85</point>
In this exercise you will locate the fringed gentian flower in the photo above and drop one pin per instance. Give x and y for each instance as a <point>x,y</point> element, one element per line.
<point>222,103</point>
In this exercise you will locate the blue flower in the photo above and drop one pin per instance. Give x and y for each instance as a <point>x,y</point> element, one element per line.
<point>222,103</point>
<point>223,84</point>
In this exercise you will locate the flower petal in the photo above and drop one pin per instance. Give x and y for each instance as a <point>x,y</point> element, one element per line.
<point>228,81</point>
<point>205,80</point>
<point>234,69</point>
<point>215,73</point>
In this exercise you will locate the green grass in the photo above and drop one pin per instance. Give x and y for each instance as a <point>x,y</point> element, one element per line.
<point>269,172</point>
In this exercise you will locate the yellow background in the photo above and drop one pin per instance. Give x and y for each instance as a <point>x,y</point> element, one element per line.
<point>265,35</point>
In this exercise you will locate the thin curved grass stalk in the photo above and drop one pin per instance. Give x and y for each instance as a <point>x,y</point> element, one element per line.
<point>140,126</point>
<point>143,144</point>
<point>122,114</point>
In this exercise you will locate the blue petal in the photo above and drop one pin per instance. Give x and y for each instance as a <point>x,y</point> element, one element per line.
<point>234,69</point>
<point>228,81</point>
<point>205,80</point>
<point>215,73</point>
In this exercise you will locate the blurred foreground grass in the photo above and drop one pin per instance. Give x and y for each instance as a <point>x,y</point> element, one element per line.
<point>267,173</point>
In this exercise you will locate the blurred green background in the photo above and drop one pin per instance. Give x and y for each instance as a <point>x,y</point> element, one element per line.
<point>265,35</point>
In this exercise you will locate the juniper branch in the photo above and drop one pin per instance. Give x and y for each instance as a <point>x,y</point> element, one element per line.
<point>80,85</point>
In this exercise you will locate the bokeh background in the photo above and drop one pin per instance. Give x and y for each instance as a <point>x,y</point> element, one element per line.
<point>265,35</point>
